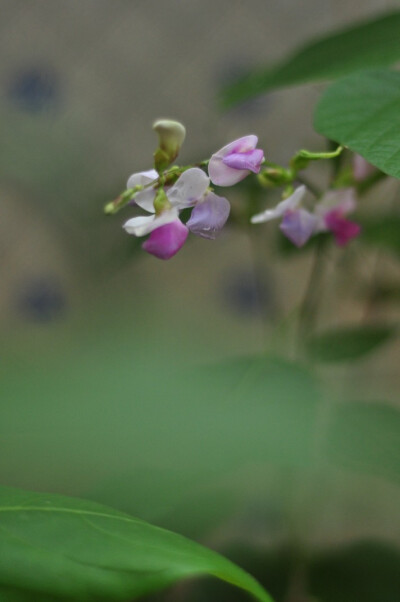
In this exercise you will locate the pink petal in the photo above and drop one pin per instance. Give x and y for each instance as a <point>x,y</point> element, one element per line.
<point>343,229</point>
<point>166,241</point>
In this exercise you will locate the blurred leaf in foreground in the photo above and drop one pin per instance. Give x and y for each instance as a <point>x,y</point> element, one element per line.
<point>60,548</point>
<point>365,437</point>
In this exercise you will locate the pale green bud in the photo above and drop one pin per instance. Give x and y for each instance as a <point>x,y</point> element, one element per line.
<point>171,135</point>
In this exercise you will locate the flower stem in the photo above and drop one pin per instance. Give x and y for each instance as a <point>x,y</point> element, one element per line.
<point>309,305</point>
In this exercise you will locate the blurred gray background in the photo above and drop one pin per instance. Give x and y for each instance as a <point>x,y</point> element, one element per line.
<point>81,82</point>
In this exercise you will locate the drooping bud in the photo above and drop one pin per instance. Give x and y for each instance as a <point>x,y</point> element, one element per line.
<point>171,135</point>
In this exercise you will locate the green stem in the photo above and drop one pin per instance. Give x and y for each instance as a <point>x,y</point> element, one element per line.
<point>309,305</point>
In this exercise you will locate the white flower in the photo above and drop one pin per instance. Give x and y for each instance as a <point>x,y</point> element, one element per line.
<point>190,187</point>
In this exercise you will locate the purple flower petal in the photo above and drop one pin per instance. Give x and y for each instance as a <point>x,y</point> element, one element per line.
<point>342,228</point>
<point>250,160</point>
<point>298,225</point>
<point>165,241</point>
<point>209,216</point>
<point>222,174</point>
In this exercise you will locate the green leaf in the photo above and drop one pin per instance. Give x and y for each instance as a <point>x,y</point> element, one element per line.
<point>367,45</point>
<point>70,549</point>
<point>361,112</point>
<point>339,345</point>
<point>365,437</point>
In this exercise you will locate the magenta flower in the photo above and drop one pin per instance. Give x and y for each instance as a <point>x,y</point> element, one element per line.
<point>166,241</point>
<point>342,228</point>
<point>332,211</point>
<point>234,162</point>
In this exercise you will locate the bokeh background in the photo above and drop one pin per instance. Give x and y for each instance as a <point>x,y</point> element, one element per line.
<point>99,398</point>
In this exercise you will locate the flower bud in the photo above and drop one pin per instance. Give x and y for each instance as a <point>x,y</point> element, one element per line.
<point>171,135</point>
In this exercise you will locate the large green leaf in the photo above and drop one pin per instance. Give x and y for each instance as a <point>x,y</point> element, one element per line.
<point>54,547</point>
<point>344,344</point>
<point>371,44</point>
<point>361,111</point>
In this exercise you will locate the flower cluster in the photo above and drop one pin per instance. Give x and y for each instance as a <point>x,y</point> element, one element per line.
<point>165,192</point>
<point>209,212</point>
<point>299,224</point>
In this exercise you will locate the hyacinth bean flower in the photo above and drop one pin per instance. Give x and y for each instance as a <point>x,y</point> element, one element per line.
<point>167,232</point>
<point>297,224</point>
<point>234,162</point>
<point>331,212</point>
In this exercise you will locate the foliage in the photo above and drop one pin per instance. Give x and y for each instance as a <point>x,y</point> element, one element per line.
<point>370,44</point>
<point>69,549</point>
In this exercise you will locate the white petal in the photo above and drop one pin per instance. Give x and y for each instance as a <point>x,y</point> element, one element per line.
<point>144,224</point>
<point>142,178</point>
<point>189,188</point>
<point>145,199</point>
<point>290,203</point>
<point>343,199</point>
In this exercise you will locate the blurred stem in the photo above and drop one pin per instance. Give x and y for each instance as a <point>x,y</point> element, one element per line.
<point>297,588</point>
<point>261,288</point>
<point>309,305</point>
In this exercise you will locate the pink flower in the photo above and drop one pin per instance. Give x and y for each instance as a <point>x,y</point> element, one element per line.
<point>332,211</point>
<point>167,240</point>
<point>298,224</point>
<point>234,162</point>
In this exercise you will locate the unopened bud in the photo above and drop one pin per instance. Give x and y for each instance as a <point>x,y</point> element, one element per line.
<point>171,135</point>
